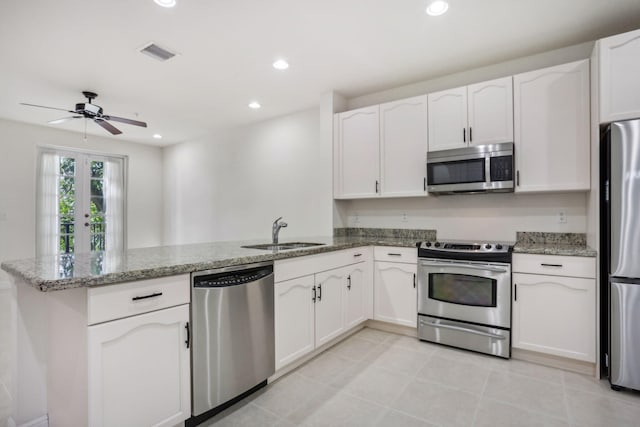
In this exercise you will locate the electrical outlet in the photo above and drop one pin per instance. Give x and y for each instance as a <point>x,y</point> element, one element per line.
<point>562,217</point>
<point>404,217</point>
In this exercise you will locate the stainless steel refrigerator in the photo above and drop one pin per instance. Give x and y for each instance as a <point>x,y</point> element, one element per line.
<point>621,251</point>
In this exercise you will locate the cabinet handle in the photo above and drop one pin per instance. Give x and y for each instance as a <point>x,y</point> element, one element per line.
<point>515,292</point>
<point>414,280</point>
<point>551,265</point>
<point>313,298</point>
<point>393,254</point>
<point>424,183</point>
<point>464,134</point>
<point>349,282</point>
<point>319,292</point>
<point>518,178</point>
<point>356,255</point>
<point>376,186</point>
<point>188,341</point>
<point>156,294</point>
<point>470,134</point>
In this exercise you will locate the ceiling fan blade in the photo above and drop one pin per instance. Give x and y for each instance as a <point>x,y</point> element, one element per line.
<point>50,108</point>
<point>62,120</point>
<point>108,126</point>
<point>127,121</point>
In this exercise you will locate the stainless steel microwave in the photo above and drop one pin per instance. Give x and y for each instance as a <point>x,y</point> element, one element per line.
<point>479,169</point>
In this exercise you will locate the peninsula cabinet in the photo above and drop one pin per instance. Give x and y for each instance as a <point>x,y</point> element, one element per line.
<point>478,114</point>
<point>322,303</point>
<point>552,134</point>
<point>381,150</point>
<point>554,305</point>
<point>619,85</point>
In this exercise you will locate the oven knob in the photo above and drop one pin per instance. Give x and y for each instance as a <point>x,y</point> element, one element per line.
<point>428,244</point>
<point>487,246</point>
<point>498,247</point>
<point>437,245</point>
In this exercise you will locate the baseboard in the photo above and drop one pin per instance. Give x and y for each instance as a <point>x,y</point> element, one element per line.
<point>43,421</point>
<point>578,366</point>
<point>390,327</point>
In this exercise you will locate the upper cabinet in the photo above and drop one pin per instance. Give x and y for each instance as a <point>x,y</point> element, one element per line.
<point>381,150</point>
<point>619,68</point>
<point>358,148</point>
<point>478,114</point>
<point>403,147</point>
<point>551,111</point>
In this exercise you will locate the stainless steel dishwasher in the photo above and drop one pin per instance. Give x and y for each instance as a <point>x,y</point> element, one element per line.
<point>233,349</point>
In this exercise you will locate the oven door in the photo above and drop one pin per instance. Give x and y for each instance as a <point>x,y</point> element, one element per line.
<point>468,291</point>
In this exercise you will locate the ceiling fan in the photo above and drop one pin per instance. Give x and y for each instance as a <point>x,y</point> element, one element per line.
<point>87,110</point>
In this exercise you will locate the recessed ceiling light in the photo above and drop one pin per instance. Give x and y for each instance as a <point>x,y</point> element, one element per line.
<point>157,136</point>
<point>437,7</point>
<point>281,64</point>
<point>165,3</point>
<point>254,105</point>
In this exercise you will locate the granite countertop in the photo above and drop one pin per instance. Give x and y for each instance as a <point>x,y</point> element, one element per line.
<point>567,244</point>
<point>102,268</point>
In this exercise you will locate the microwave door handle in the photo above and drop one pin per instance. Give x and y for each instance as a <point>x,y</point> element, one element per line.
<point>458,328</point>
<point>470,267</point>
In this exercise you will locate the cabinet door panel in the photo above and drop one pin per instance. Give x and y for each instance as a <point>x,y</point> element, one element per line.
<point>329,304</point>
<point>355,292</point>
<point>139,370</point>
<point>294,319</point>
<point>619,82</point>
<point>395,294</point>
<point>359,152</point>
<point>555,315</point>
<point>552,137</point>
<point>403,147</point>
<point>490,108</point>
<point>447,119</point>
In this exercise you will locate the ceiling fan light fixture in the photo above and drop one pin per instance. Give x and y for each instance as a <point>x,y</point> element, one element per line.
<point>165,3</point>
<point>437,7</point>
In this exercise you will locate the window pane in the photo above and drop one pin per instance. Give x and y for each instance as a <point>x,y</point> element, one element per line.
<point>97,169</point>
<point>97,206</point>
<point>97,187</point>
<point>463,289</point>
<point>67,166</point>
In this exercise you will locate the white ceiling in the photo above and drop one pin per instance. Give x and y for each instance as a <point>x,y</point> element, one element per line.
<point>52,50</point>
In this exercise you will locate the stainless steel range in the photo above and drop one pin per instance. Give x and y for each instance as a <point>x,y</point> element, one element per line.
<point>464,295</point>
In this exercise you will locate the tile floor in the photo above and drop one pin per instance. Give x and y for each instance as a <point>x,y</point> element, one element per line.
<point>376,378</point>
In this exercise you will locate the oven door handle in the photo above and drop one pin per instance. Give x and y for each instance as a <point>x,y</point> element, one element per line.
<point>471,267</point>
<point>458,328</point>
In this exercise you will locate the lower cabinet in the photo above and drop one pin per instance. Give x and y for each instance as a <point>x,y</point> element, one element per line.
<point>554,312</point>
<point>395,293</point>
<point>138,370</point>
<point>314,309</point>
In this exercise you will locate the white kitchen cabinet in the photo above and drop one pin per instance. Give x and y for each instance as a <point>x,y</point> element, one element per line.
<point>395,293</point>
<point>138,371</point>
<point>358,147</point>
<point>403,147</point>
<point>356,293</point>
<point>294,319</point>
<point>478,114</point>
<point>619,68</point>
<point>554,313</point>
<point>326,300</point>
<point>551,121</point>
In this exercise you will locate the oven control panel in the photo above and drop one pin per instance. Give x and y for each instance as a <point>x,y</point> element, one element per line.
<point>451,249</point>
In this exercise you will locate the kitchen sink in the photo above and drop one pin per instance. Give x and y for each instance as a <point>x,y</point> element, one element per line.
<point>282,246</point>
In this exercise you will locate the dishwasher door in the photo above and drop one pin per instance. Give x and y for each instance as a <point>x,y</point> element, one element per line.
<point>233,346</point>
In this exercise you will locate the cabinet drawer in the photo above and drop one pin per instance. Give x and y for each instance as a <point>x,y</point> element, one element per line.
<point>291,268</point>
<point>555,265</point>
<point>395,254</point>
<point>128,299</point>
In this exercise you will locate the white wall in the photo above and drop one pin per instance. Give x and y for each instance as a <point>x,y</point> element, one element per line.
<point>18,142</point>
<point>471,216</point>
<point>231,186</point>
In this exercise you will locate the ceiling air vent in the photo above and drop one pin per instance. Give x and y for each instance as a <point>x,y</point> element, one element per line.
<point>156,52</point>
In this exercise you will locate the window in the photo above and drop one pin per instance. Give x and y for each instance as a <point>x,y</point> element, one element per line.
<point>80,202</point>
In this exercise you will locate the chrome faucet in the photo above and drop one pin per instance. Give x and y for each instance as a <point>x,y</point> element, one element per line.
<point>275,230</point>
